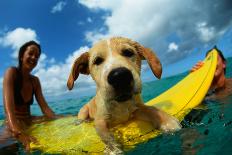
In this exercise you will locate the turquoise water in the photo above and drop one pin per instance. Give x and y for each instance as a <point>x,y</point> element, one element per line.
<point>208,132</point>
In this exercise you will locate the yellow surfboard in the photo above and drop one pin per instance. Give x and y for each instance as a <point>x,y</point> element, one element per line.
<point>62,136</point>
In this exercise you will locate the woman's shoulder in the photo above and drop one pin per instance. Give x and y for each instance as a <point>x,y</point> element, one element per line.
<point>11,71</point>
<point>35,80</point>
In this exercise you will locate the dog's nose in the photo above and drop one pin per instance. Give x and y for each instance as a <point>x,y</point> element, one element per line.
<point>120,78</point>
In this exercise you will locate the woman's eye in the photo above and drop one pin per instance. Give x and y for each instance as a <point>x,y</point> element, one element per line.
<point>30,53</point>
<point>33,54</point>
<point>127,53</point>
<point>36,57</point>
<point>98,61</point>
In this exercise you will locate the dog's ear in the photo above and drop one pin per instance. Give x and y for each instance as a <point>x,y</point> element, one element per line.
<point>79,66</point>
<point>152,60</point>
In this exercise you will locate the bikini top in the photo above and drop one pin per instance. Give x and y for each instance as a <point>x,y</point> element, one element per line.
<point>17,90</point>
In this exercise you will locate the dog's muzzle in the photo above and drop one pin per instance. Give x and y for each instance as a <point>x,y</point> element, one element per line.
<point>121,79</point>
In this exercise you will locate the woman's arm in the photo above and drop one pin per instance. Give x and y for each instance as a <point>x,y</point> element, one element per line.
<point>9,101</point>
<point>41,100</point>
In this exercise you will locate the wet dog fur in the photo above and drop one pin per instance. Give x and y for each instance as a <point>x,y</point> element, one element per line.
<point>115,66</point>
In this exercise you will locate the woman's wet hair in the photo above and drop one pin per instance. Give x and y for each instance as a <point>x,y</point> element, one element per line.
<point>220,54</point>
<point>23,49</point>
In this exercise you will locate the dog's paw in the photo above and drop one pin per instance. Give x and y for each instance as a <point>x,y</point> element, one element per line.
<point>113,150</point>
<point>79,121</point>
<point>171,124</point>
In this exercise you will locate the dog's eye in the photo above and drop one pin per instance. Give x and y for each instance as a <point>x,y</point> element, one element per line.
<point>98,61</point>
<point>127,53</point>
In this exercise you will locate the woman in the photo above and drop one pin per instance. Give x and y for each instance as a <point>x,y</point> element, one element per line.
<point>19,88</point>
<point>220,88</point>
<point>221,85</point>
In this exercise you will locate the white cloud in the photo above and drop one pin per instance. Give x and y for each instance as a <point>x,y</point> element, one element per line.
<point>100,4</point>
<point>53,75</point>
<point>71,58</point>
<point>172,47</point>
<point>3,30</point>
<point>81,23</point>
<point>206,33</point>
<point>89,20</point>
<point>154,22</point>
<point>58,7</point>
<point>93,37</point>
<point>16,38</point>
<point>54,78</point>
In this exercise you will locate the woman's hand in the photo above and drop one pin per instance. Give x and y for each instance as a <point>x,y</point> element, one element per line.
<point>197,66</point>
<point>26,140</point>
<point>53,116</point>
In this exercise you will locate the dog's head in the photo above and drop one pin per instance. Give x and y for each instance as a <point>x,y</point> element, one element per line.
<point>115,66</point>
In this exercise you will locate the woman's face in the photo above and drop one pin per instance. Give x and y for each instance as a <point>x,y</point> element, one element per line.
<point>30,57</point>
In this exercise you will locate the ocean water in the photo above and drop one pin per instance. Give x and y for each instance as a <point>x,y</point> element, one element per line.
<point>208,132</point>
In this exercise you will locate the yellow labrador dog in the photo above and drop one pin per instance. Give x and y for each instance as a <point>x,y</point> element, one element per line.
<point>115,66</point>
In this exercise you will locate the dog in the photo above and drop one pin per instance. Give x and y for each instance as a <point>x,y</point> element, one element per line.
<point>115,66</point>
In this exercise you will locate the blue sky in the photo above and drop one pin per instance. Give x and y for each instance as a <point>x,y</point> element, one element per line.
<point>179,31</point>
